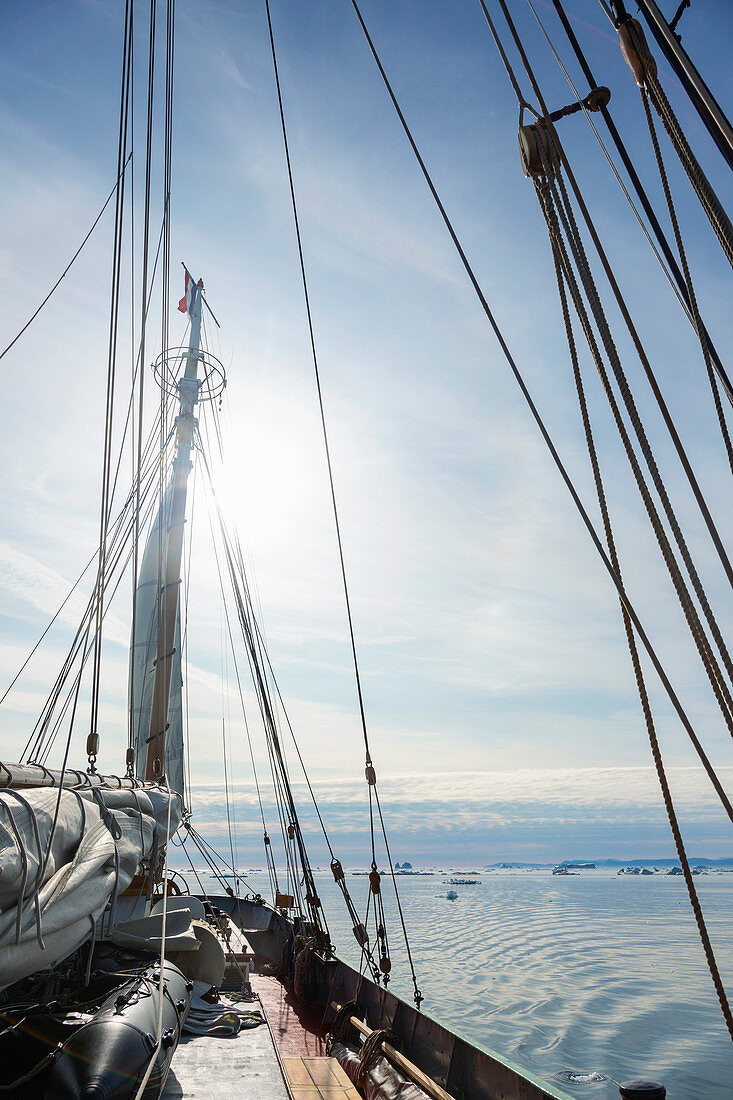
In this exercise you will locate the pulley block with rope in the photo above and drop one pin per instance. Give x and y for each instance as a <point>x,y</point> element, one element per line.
<point>535,144</point>
<point>537,137</point>
<point>635,50</point>
<point>92,751</point>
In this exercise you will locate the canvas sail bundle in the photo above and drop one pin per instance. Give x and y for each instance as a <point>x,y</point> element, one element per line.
<point>51,894</point>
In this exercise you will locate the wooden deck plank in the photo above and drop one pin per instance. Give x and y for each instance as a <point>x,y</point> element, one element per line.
<point>322,1092</point>
<point>318,1079</point>
<point>321,1071</point>
<point>296,1071</point>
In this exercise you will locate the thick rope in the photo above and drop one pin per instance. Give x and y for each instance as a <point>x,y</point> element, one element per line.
<point>674,269</point>
<point>691,296</point>
<point>341,1024</point>
<point>371,1051</point>
<point>554,227</point>
<point>718,683</point>
<point>714,535</point>
<point>546,199</point>
<point>709,201</point>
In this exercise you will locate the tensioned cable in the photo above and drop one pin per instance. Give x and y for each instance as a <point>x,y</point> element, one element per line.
<point>636,340</point>
<point>614,169</point>
<point>269,855</point>
<point>68,267</point>
<point>114,557</point>
<point>336,868</point>
<point>43,739</point>
<point>235,861</point>
<point>685,293</point>
<point>714,211</point>
<point>697,319</point>
<point>559,254</point>
<point>563,271</point>
<point>547,438</point>
<point>316,369</point>
<point>143,325</point>
<point>639,188</point>
<point>93,743</point>
<point>684,596</point>
<point>284,797</point>
<point>371,775</point>
<point>66,669</point>
<point>120,534</point>
<point>719,686</point>
<point>718,683</point>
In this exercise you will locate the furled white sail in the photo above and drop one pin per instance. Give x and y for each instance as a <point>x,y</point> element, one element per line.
<point>144,650</point>
<point>50,896</point>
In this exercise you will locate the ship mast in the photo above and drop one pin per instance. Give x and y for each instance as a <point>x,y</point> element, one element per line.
<point>170,572</point>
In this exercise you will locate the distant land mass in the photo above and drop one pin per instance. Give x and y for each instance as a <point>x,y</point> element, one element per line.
<point>695,861</point>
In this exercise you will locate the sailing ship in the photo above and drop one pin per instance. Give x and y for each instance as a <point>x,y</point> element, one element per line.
<point>106,963</point>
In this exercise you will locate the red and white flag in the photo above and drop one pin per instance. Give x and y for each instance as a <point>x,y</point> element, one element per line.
<point>188,301</point>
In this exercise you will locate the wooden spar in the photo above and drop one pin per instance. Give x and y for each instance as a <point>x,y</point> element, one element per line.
<point>408,1068</point>
<point>170,581</point>
<point>17,776</point>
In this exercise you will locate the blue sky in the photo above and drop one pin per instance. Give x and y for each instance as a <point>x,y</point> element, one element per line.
<point>495,671</point>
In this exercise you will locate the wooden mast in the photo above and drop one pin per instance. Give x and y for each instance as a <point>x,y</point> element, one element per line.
<point>170,573</point>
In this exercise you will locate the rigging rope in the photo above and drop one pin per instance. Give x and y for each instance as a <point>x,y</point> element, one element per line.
<point>93,739</point>
<point>544,193</point>
<point>547,438</point>
<point>533,408</point>
<point>548,194</point>
<point>697,492</point>
<point>720,688</point>
<point>284,799</point>
<point>637,184</point>
<point>661,403</point>
<point>691,296</point>
<point>576,246</point>
<point>68,267</point>
<point>370,773</point>
<point>714,673</point>
<point>669,272</point>
<point>709,201</point>
<point>317,373</point>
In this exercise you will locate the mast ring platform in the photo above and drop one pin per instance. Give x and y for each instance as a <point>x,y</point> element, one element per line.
<point>168,370</point>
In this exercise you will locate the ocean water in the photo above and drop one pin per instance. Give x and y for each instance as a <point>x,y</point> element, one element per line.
<point>585,980</point>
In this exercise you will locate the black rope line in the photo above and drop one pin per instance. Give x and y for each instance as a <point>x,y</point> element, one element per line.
<point>544,432</point>
<point>111,380</point>
<point>545,196</point>
<point>316,369</point>
<point>68,267</point>
<point>692,298</point>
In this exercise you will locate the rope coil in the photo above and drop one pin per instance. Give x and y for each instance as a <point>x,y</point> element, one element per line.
<point>371,1051</point>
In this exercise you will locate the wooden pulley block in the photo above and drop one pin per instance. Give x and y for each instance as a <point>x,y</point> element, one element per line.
<point>532,138</point>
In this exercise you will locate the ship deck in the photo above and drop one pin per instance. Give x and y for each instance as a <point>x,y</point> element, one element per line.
<point>284,1060</point>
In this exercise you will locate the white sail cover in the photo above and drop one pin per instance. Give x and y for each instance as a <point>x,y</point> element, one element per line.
<point>48,906</point>
<point>143,653</point>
